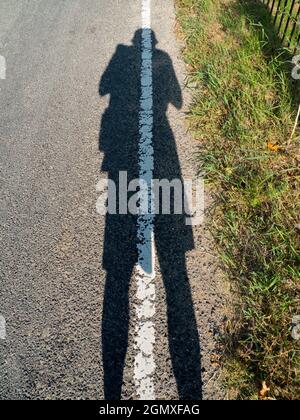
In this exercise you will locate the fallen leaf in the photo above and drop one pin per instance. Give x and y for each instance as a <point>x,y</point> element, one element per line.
<point>229,171</point>
<point>264,391</point>
<point>273,147</point>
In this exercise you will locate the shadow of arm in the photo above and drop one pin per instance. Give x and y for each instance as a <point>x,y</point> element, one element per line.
<point>176,98</point>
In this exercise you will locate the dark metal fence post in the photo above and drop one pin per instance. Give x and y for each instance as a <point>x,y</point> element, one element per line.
<point>278,11</point>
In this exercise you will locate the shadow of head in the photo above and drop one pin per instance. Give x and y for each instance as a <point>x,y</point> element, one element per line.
<point>141,34</point>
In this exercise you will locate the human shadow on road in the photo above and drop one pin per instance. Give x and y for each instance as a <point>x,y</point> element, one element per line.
<point>119,139</point>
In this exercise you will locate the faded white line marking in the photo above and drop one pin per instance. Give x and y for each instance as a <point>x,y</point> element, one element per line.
<point>144,367</point>
<point>2,67</point>
<point>2,328</point>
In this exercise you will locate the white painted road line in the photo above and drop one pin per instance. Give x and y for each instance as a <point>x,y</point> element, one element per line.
<point>2,328</point>
<point>2,68</point>
<point>144,367</point>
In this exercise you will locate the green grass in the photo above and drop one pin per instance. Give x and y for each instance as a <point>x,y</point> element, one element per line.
<point>243,112</point>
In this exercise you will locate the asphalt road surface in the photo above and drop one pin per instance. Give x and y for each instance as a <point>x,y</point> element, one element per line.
<point>77,321</point>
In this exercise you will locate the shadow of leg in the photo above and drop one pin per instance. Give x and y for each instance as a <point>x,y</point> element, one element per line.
<point>115,332</point>
<point>182,328</point>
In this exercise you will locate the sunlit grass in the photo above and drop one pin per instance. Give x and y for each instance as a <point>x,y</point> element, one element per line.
<point>243,113</point>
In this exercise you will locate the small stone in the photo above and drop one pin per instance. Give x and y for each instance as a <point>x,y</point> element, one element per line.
<point>296,329</point>
<point>296,332</point>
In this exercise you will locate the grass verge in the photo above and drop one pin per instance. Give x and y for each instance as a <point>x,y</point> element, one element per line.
<point>243,112</point>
